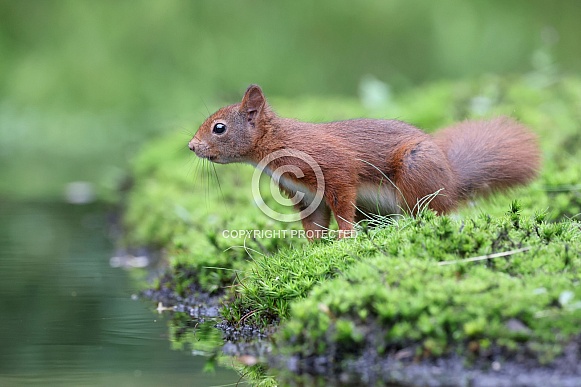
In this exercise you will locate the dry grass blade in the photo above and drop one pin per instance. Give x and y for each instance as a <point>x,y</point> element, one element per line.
<point>485,257</point>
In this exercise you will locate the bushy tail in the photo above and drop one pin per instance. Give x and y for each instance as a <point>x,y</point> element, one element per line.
<point>490,155</point>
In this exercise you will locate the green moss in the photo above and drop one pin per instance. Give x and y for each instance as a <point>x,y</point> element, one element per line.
<point>386,289</point>
<point>411,299</point>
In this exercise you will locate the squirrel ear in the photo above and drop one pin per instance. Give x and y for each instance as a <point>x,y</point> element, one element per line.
<point>252,103</point>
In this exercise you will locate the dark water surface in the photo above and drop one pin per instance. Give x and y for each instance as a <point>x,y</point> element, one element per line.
<point>67,317</point>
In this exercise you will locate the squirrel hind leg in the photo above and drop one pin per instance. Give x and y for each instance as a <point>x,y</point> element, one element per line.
<point>425,180</point>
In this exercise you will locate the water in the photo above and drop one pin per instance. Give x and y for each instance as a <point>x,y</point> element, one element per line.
<point>67,317</point>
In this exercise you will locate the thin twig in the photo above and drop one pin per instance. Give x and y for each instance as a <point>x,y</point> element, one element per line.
<point>484,257</point>
<point>243,318</point>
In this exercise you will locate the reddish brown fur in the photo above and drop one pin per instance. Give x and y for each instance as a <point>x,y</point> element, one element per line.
<point>490,155</point>
<point>472,157</point>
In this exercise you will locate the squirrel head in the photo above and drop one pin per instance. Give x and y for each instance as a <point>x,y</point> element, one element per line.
<point>230,134</point>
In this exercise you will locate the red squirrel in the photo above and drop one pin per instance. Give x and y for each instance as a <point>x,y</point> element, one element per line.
<point>371,166</point>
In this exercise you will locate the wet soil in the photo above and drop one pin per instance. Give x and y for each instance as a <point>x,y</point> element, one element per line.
<point>372,369</point>
<point>402,368</point>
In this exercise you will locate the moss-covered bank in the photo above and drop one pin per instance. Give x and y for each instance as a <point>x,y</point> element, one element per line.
<point>409,290</point>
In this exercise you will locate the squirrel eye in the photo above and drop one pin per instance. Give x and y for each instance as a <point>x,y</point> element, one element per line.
<point>219,128</point>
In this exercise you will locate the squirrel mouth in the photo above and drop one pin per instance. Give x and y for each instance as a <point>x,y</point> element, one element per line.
<point>212,159</point>
<point>204,156</point>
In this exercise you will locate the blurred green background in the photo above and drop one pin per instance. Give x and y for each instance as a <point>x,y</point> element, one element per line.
<point>84,83</point>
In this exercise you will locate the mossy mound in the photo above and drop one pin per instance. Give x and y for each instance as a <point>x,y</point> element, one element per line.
<point>415,288</point>
<point>183,205</point>
<point>386,290</point>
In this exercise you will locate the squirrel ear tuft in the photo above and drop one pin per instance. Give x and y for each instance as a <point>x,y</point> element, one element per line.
<point>252,103</point>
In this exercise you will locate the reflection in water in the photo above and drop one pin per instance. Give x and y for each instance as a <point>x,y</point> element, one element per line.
<point>67,317</point>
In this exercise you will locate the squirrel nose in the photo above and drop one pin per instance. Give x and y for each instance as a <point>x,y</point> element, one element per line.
<point>191,146</point>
